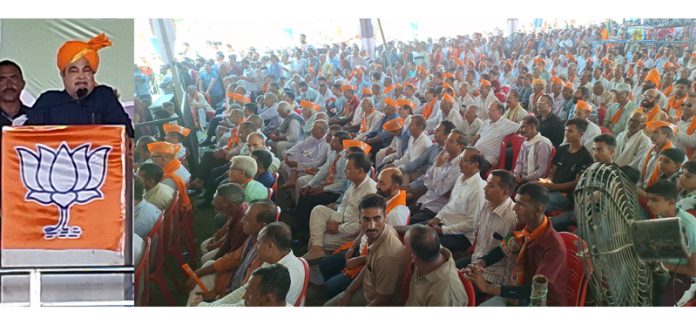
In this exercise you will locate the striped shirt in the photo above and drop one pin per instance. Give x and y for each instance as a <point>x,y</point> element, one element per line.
<point>500,219</point>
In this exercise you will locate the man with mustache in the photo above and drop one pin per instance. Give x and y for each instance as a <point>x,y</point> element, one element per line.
<point>12,110</point>
<point>83,101</point>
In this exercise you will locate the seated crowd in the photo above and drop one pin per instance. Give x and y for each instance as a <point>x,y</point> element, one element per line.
<point>400,184</point>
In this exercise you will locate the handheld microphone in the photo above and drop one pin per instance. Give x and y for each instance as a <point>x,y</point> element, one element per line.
<point>82,92</point>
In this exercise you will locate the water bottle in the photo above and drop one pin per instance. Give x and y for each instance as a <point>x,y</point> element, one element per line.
<point>539,291</point>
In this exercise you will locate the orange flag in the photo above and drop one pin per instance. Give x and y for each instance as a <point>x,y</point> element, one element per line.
<point>63,188</point>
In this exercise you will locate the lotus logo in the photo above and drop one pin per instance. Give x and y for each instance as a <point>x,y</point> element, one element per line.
<point>63,177</point>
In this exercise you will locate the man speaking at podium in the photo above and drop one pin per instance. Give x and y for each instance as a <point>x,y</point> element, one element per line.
<point>82,101</point>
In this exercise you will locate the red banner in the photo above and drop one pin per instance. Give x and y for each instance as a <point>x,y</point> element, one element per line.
<point>63,187</point>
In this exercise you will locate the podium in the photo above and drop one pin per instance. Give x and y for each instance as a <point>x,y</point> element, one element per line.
<point>66,215</point>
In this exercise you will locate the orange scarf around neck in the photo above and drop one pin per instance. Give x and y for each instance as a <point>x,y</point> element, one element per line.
<point>170,172</point>
<point>518,273</point>
<point>429,108</point>
<point>656,171</point>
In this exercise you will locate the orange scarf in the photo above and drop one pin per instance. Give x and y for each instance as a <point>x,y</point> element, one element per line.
<point>234,139</point>
<point>651,113</point>
<point>656,171</point>
<point>675,103</point>
<point>363,123</point>
<point>429,108</point>
<point>399,199</point>
<point>518,273</point>
<point>667,91</point>
<point>615,118</point>
<point>170,171</point>
<point>689,131</point>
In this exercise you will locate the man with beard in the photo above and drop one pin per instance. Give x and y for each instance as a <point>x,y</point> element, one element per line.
<point>82,101</point>
<point>378,283</point>
<point>674,104</point>
<point>649,106</point>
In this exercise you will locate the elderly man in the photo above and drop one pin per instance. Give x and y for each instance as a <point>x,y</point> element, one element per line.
<point>269,111</point>
<point>329,229</point>
<point>308,154</point>
<point>601,97</point>
<point>455,221</point>
<point>378,283</point>
<point>158,194</point>
<point>228,272</point>
<point>418,142</point>
<point>632,144</point>
<point>82,101</point>
<point>175,174</point>
<point>567,104</point>
<point>435,281</point>
<point>620,111</point>
<point>492,133</point>
<point>471,124</point>
<point>661,135</point>
<point>686,137</point>
<point>544,253</point>
<point>381,137</point>
<point>228,206</point>
<point>242,171</point>
<point>534,158</point>
<point>268,287</point>
<point>309,114</point>
<point>273,247</point>
<point>439,179</point>
<point>515,112</point>
<point>484,100</point>
<point>290,131</point>
<point>397,146</point>
<point>416,168</point>
<point>370,120</point>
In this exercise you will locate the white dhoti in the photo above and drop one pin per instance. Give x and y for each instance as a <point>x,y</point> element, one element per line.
<point>317,229</point>
<point>302,181</point>
<point>382,158</point>
<point>208,281</point>
<point>209,256</point>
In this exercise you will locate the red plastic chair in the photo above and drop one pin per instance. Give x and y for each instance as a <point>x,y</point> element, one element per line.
<point>548,169</point>
<point>515,140</point>
<point>141,276</point>
<point>469,288</point>
<point>278,213</point>
<point>270,194</point>
<point>301,299</point>
<point>577,280</point>
<point>157,251</point>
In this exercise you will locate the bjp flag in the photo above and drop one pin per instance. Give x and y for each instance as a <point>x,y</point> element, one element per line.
<point>63,189</point>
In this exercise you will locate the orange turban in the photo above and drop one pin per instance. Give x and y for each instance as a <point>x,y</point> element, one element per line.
<point>404,102</point>
<point>366,91</point>
<point>175,128</point>
<point>390,102</point>
<point>485,83</point>
<point>582,105</point>
<point>654,76</point>
<point>347,87</point>
<point>359,144</point>
<point>654,125</point>
<point>447,98</point>
<point>556,80</point>
<point>568,85</point>
<point>163,148</point>
<point>668,65</point>
<point>239,98</point>
<point>72,51</point>
<point>394,125</point>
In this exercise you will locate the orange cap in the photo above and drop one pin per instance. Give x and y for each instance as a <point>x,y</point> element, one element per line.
<point>390,102</point>
<point>421,69</point>
<point>163,147</point>
<point>447,85</point>
<point>448,75</point>
<point>538,82</point>
<point>582,105</point>
<point>366,91</point>
<point>347,87</point>
<point>654,76</point>
<point>175,128</point>
<point>568,85</point>
<point>239,98</point>
<point>306,104</point>
<point>485,83</point>
<point>355,143</point>
<point>404,102</point>
<point>654,125</point>
<point>556,80</point>
<point>668,65</point>
<point>447,98</point>
<point>72,51</point>
<point>394,125</point>
<point>408,84</point>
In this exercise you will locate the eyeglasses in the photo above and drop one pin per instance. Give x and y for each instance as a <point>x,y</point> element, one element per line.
<point>646,96</point>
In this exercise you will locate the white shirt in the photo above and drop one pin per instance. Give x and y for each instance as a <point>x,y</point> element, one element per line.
<point>373,123</point>
<point>297,277</point>
<point>685,141</point>
<point>492,134</point>
<point>465,204</point>
<point>483,104</point>
<point>630,151</point>
<point>415,148</point>
<point>470,130</point>
<point>350,223</point>
<point>145,216</point>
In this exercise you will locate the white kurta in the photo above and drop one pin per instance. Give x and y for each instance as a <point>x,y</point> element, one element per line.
<point>492,135</point>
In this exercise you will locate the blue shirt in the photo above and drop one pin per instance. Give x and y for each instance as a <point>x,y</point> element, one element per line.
<point>101,106</point>
<point>207,78</point>
<point>266,178</point>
